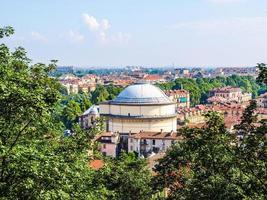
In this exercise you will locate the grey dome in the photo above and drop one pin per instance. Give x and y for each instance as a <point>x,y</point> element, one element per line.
<point>142,94</point>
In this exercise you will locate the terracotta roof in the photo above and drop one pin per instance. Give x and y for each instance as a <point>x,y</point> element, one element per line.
<point>156,135</point>
<point>179,92</point>
<point>261,110</point>
<point>96,164</point>
<point>104,134</point>
<point>152,77</point>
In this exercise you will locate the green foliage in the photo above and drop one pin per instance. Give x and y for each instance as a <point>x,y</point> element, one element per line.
<point>126,178</point>
<point>71,113</point>
<point>100,94</point>
<point>113,91</point>
<point>103,93</point>
<point>71,107</point>
<point>36,161</point>
<point>262,78</point>
<point>199,88</point>
<point>251,152</point>
<point>198,167</point>
<point>6,31</point>
<point>210,163</point>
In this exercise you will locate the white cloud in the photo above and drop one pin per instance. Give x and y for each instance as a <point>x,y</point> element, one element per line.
<point>76,36</point>
<point>100,28</point>
<point>121,38</point>
<point>91,22</point>
<point>103,37</point>
<point>105,24</point>
<point>38,36</point>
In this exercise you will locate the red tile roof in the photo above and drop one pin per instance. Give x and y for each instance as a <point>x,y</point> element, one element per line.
<point>178,92</point>
<point>156,135</point>
<point>96,164</point>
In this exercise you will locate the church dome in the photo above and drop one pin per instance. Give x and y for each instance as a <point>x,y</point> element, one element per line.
<point>142,94</point>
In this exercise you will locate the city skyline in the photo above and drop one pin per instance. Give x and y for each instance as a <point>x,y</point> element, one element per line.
<point>215,33</point>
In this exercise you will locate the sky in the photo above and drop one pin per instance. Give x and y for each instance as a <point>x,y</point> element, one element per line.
<point>91,33</point>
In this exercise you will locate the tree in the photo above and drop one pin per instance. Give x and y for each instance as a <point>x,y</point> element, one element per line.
<point>262,78</point>
<point>211,163</point>
<point>251,153</point>
<point>71,113</point>
<point>100,94</point>
<point>200,166</point>
<point>113,91</point>
<point>126,178</point>
<point>200,87</point>
<point>36,161</point>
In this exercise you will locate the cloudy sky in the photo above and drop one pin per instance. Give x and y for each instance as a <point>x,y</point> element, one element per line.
<point>139,32</point>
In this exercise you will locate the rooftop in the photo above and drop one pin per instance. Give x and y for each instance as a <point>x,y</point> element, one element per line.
<point>227,89</point>
<point>156,135</point>
<point>93,110</point>
<point>142,94</point>
<point>96,164</point>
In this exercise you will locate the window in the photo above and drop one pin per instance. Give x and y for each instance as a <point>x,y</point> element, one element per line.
<point>153,142</point>
<point>131,148</point>
<point>104,146</point>
<point>131,140</point>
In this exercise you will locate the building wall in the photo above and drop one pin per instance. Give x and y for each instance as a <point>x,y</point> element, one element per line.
<point>246,97</point>
<point>234,96</point>
<point>135,145</point>
<point>109,149</point>
<point>86,121</point>
<point>137,125</point>
<point>144,110</point>
<point>262,116</point>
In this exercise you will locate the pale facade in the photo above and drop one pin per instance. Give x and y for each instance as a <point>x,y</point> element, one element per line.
<point>71,88</point>
<point>130,114</point>
<point>181,97</point>
<point>141,108</point>
<point>228,94</point>
<point>144,143</point>
<point>109,143</point>
<point>89,117</point>
<point>262,101</point>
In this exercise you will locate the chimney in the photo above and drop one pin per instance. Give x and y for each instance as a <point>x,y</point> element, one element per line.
<point>161,130</point>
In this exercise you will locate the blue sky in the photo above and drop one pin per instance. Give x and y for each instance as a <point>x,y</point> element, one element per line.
<point>134,32</point>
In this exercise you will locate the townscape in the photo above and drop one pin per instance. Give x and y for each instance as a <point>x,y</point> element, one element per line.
<point>92,109</point>
<point>145,119</point>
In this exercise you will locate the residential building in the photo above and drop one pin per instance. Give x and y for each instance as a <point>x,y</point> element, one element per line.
<point>228,94</point>
<point>109,143</point>
<point>71,88</point>
<point>147,143</point>
<point>181,97</point>
<point>262,100</point>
